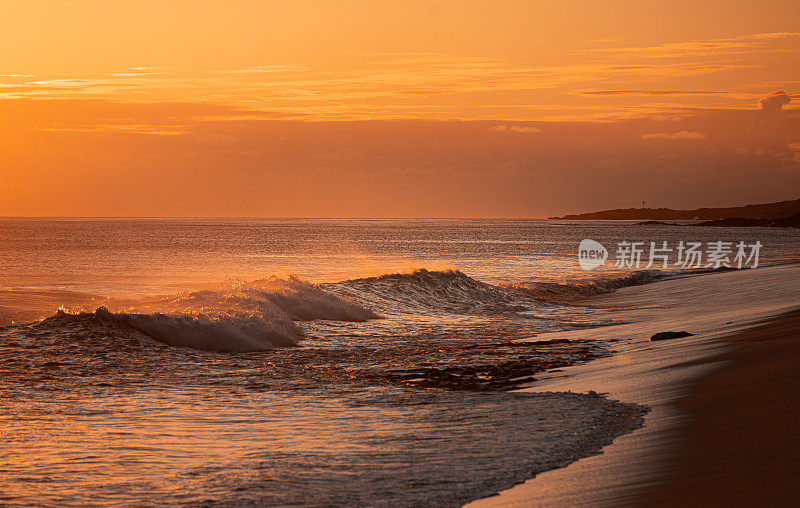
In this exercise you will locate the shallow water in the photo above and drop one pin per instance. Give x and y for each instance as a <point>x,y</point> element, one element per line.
<point>182,369</point>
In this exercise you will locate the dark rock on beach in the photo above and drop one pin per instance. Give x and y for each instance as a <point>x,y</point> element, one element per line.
<point>670,335</point>
<point>792,221</point>
<point>657,223</point>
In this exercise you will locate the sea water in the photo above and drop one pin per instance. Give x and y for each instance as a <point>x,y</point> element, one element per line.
<point>303,362</point>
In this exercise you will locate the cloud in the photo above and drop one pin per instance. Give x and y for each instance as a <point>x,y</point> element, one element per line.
<point>247,166</point>
<point>342,155</point>
<point>675,135</point>
<point>441,85</point>
<point>795,148</point>
<point>514,128</point>
<point>748,43</point>
<point>263,69</point>
<point>770,35</point>
<point>774,101</point>
<point>136,74</point>
<point>653,92</point>
<point>165,130</point>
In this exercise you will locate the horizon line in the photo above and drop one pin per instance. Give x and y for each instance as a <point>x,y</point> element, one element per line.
<point>286,217</point>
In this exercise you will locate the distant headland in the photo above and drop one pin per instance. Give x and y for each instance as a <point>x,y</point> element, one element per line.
<point>766,211</point>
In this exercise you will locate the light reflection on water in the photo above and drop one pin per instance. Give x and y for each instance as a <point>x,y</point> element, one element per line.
<point>135,256</point>
<point>213,444</point>
<point>405,409</point>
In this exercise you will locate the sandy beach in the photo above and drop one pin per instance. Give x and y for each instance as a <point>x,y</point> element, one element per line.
<point>741,445</point>
<point>722,426</point>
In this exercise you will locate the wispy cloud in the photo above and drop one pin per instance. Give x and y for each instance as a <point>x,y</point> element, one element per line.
<point>263,69</point>
<point>761,42</point>
<point>153,130</point>
<point>454,86</point>
<point>515,128</point>
<point>653,92</point>
<point>675,135</point>
<point>137,74</point>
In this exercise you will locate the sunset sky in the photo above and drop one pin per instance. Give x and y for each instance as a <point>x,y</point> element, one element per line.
<point>438,108</point>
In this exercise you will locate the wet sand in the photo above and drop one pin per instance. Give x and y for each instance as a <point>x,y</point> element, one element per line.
<point>741,443</point>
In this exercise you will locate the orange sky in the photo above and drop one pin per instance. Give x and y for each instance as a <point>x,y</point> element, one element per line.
<point>413,109</point>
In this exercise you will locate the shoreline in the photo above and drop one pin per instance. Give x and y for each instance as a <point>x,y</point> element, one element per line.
<point>741,443</point>
<point>663,375</point>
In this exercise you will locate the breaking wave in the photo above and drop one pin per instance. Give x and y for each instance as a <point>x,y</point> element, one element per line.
<point>264,314</point>
<point>448,291</point>
<point>569,290</point>
<point>455,292</point>
<point>226,333</point>
<point>253,316</point>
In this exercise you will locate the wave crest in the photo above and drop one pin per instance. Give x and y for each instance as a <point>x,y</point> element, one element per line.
<point>569,290</point>
<point>233,332</point>
<point>242,317</point>
<point>305,301</point>
<point>446,290</point>
<point>264,314</point>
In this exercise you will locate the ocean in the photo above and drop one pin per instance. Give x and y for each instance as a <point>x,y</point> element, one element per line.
<point>314,362</point>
